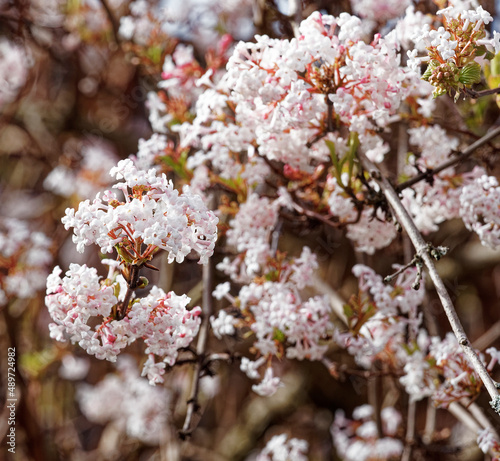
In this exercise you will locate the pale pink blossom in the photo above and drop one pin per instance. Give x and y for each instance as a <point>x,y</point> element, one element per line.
<point>282,448</point>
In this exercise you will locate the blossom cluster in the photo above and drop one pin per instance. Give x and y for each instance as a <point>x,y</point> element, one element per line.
<point>453,48</point>
<point>283,323</point>
<point>281,448</point>
<point>358,439</point>
<point>479,209</point>
<point>82,177</point>
<point>291,108</point>
<point>126,400</point>
<point>24,259</point>
<point>380,317</point>
<point>14,65</point>
<point>102,316</point>
<point>83,309</point>
<point>153,213</point>
<point>438,368</point>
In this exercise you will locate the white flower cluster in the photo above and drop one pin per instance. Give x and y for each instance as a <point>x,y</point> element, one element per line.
<point>385,330</point>
<point>479,209</point>
<point>126,400</point>
<point>438,368</point>
<point>434,144</point>
<point>368,233</point>
<point>153,212</point>
<point>249,234</point>
<point>431,203</point>
<point>487,440</point>
<point>440,38</point>
<point>138,26</point>
<point>410,26</point>
<point>390,300</point>
<point>80,300</point>
<point>73,300</point>
<point>379,11</point>
<point>90,177</point>
<point>358,439</point>
<point>279,110</point>
<point>278,310</point>
<point>24,257</point>
<point>281,448</point>
<point>150,149</point>
<point>166,326</point>
<point>14,64</point>
<point>281,320</point>
<point>371,232</point>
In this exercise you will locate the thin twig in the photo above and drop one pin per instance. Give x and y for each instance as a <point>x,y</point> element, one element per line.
<point>131,286</point>
<point>372,384</point>
<point>464,416</point>
<point>207,308</point>
<point>459,158</point>
<point>478,94</point>
<point>410,431</point>
<point>220,357</point>
<point>422,249</point>
<point>478,413</point>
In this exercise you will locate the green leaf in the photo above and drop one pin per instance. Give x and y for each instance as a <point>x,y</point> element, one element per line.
<point>279,335</point>
<point>480,50</point>
<point>427,73</point>
<point>348,312</point>
<point>123,254</point>
<point>333,154</point>
<point>470,74</point>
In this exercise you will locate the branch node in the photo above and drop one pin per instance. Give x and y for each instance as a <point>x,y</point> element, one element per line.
<point>495,403</point>
<point>438,252</point>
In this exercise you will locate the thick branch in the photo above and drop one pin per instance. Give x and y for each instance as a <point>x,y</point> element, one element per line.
<point>421,248</point>
<point>459,158</point>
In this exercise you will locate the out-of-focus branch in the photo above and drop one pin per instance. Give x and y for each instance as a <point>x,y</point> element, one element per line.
<point>410,432</point>
<point>430,423</point>
<point>207,307</point>
<point>472,417</point>
<point>422,250</point>
<point>464,417</point>
<point>452,162</point>
<point>112,20</point>
<point>295,14</point>
<point>488,337</point>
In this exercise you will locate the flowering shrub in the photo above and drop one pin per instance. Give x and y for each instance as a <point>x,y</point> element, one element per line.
<point>300,156</point>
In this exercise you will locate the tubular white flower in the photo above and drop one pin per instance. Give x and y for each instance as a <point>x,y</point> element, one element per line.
<point>153,211</point>
<point>479,209</point>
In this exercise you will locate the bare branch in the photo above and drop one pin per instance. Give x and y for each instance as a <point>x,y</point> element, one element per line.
<point>422,249</point>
